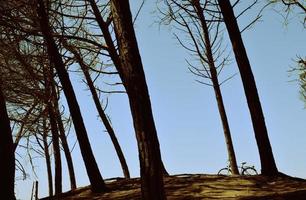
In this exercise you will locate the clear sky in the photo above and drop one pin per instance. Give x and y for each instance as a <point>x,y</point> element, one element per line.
<point>185,112</point>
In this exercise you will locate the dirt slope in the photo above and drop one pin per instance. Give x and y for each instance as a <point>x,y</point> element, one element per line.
<point>200,186</point>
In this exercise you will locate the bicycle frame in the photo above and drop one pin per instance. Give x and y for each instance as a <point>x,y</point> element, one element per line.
<point>243,170</point>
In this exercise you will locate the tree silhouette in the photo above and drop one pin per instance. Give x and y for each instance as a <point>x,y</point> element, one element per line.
<point>133,77</point>
<point>94,175</point>
<point>99,108</point>
<point>41,41</point>
<point>63,138</point>
<point>268,166</point>
<point>201,22</point>
<point>49,93</point>
<point>7,157</point>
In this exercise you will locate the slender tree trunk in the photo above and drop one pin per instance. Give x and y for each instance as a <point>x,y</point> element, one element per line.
<point>226,129</point>
<point>7,156</point>
<point>113,52</point>
<point>107,124</point>
<point>48,162</point>
<point>268,166</point>
<point>49,98</point>
<point>101,112</point>
<point>36,190</point>
<point>64,140</point>
<point>56,150</point>
<point>216,86</point>
<point>95,178</point>
<point>33,188</point>
<point>134,81</point>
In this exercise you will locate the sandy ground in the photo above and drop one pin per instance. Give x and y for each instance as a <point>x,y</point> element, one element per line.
<point>201,186</point>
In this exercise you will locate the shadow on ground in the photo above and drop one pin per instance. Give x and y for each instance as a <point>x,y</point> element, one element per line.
<point>201,186</point>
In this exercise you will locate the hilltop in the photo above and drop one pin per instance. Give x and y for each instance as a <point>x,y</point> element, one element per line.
<point>202,186</point>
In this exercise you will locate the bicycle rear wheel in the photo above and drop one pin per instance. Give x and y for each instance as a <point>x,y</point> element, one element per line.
<point>225,171</point>
<point>249,171</point>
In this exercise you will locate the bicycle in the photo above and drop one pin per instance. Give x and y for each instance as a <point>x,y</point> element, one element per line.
<point>244,170</point>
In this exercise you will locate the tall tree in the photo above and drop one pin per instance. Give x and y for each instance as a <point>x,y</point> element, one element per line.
<point>216,85</point>
<point>54,129</point>
<point>63,139</point>
<point>133,77</point>
<point>7,155</point>
<point>201,22</point>
<point>56,150</point>
<point>96,180</point>
<point>111,48</point>
<point>268,166</point>
<point>99,108</point>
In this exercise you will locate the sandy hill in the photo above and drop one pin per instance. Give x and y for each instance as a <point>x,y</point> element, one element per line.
<point>201,186</point>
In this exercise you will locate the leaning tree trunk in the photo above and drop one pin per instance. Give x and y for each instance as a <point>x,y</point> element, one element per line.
<point>268,166</point>
<point>47,155</point>
<point>216,86</point>
<point>101,112</point>
<point>49,98</point>
<point>7,156</point>
<point>113,52</point>
<point>133,77</point>
<point>67,153</point>
<point>95,178</point>
<point>56,150</point>
<point>64,139</point>
<point>226,129</point>
<point>107,124</point>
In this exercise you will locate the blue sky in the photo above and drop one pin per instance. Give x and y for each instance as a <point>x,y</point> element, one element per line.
<point>185,112</point>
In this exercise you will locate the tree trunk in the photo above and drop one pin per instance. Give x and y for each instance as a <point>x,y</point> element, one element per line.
<point>95,178</point>
<point>107,125</point>
<point>7,156</point>
<point>152,185</point>
<point>49,98</point>
<point>64,140</point>
<point>56,150</point>
<point>216,86</point>
<point>113,52</point>
<point>48,162</point>
<point>268,166</point>
<point>36,190</point>
<point>226,129</point>
<point>101,112</point>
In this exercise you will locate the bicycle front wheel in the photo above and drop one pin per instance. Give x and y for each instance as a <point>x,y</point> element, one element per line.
<point>225,171</point>
<point>249,171</point>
